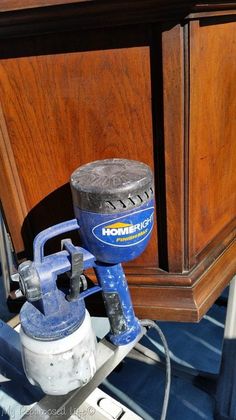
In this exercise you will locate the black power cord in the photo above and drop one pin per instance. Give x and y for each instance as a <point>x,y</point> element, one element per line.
<point>148,323</point>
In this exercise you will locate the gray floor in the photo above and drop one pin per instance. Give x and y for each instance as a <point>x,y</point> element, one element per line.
<point>139,385</point>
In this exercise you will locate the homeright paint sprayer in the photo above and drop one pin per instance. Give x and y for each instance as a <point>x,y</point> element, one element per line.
<point>114,208</point>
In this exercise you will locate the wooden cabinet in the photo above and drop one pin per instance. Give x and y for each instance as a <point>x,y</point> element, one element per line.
<point>152,81</point>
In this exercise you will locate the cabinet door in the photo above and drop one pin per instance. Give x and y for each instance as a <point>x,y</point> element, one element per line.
<point>212,145</point>
<point>61,110</point>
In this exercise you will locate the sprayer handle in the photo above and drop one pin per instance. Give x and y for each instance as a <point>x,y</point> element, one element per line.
<point>125,327</point>
<point>50,233</point>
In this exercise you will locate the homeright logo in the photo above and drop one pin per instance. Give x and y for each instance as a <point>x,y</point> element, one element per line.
<point>127,230</point>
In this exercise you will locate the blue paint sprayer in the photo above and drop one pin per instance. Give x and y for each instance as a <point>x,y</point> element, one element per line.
<point>114,209</point>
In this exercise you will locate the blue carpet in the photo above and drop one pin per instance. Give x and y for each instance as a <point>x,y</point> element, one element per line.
<point>140,386</point>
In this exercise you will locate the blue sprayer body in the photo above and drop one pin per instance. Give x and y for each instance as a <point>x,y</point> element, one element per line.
<point>110,236</point>
<point>116,238</point>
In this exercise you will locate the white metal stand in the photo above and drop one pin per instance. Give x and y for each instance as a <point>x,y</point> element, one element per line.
<point>100,406</point>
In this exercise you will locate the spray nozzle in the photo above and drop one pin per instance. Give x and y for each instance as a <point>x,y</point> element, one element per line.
<point>29,281</point>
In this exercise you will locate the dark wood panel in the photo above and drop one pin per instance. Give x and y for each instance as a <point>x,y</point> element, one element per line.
<point>64,110</point>
<point>60,16</point>
<point>225,12</point>
<point>11,5</point>
<point>212,149</point>
<point>173,105</point>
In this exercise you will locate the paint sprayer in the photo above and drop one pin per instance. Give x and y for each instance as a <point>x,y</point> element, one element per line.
<point>114,209</point>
